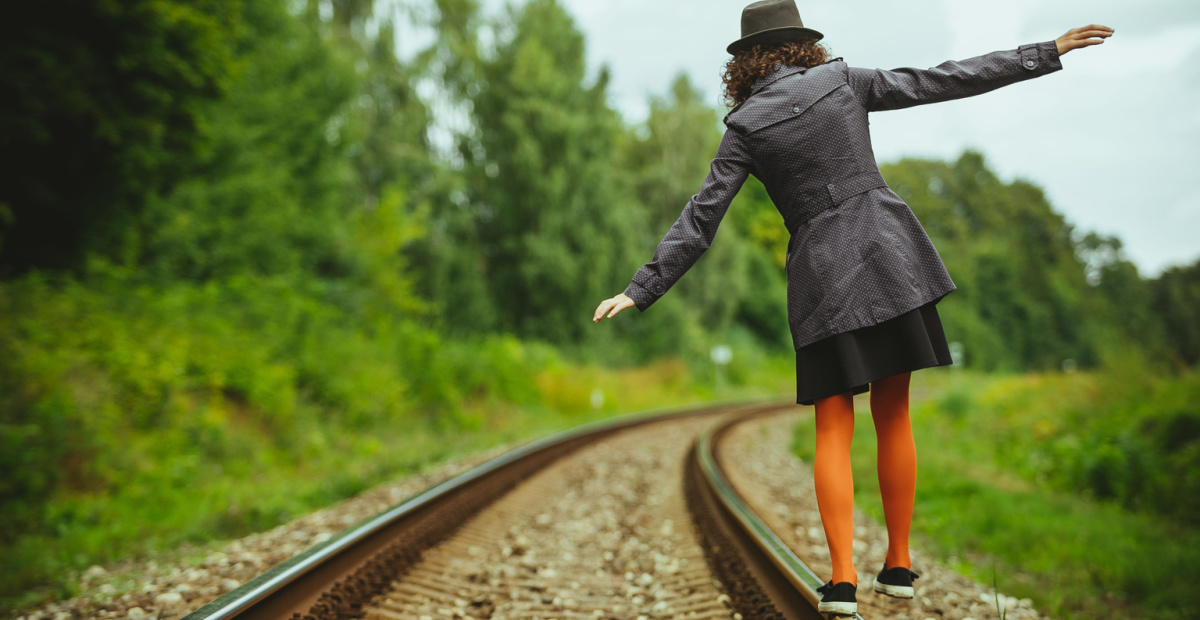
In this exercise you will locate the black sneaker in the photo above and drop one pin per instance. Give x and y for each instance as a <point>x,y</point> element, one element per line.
<point>895,581</point>
<point>838,599</point>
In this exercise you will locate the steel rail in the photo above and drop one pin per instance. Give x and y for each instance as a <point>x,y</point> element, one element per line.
<point>256,598</point>
<point>802,598</point>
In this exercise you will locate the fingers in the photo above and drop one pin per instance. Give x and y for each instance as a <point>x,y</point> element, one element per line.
<point>1090,27</point>
<point>1083,36</point>
<point>603,309</point>
<point>1085,32</point>
<point>622,303</point>
<point>611,307</point>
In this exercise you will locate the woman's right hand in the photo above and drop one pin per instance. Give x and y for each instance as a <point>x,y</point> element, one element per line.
<point>1082,37</point>
<point>612,306</point>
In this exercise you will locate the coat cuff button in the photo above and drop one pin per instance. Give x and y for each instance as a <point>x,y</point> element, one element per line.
<point>795,108</point>
<point>1028,63</point>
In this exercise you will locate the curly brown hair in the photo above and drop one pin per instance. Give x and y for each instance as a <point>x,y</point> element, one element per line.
<point>749,64</point>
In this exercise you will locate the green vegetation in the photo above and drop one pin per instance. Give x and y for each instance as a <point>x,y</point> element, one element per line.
<point>245,270</point>
<point>1065,485</point>
<point>140,418</point>
<point>101,110</point>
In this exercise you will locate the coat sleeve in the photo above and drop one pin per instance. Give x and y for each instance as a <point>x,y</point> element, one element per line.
<point>693,232</point>
<point>880,89</point>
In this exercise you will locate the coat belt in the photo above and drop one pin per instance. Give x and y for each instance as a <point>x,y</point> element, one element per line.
<point>810,203</point>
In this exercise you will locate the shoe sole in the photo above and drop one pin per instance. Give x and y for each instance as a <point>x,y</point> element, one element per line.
<point>838,608</point>
<point>894,591</point>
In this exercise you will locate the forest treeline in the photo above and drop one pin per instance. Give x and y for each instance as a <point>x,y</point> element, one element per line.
<point>227,225</point>
<point>206,141</point>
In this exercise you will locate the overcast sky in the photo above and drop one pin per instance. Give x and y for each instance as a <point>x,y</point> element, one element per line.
<point>1113,138</point>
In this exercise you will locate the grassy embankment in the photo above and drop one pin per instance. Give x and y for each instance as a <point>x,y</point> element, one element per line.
<point>135,420</point>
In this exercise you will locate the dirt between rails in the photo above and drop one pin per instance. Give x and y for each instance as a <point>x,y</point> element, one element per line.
<point>605,534</point>
<point>779,487</point>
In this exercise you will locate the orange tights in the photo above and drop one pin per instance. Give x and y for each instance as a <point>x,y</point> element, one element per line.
<point>897,471</point>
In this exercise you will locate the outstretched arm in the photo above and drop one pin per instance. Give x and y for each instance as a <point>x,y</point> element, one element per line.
<point>880,89</point>
<point>691,235</point>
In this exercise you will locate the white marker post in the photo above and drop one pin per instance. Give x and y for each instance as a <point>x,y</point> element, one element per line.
<point>956,354</point>
<point>721,354</point>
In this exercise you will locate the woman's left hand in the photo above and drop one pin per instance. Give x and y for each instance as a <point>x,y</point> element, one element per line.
<point>1083,36</point>
<point>612,306</point>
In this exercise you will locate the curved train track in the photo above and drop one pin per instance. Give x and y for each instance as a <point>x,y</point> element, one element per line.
<point>427,556</point>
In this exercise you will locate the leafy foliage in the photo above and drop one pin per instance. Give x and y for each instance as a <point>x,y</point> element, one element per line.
<point>540,178</point>
<point>1175,297</point>
<point>1032,292</point>
<point>266,197</point>
<point>101,109</point>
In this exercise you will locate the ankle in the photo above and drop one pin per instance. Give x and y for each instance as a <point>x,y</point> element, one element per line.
<point>894,560</point>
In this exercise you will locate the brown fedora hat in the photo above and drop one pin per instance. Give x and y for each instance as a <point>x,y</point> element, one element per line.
<point>772,21</point>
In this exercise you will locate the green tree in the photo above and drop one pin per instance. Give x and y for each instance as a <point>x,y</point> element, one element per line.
<point>1123,300</point>
<point>539,163</point>
<point>389,122</point>
<point>1023,300</point>
<point>453,264</point>
<point>1176,296</point>
<point>102,108</point>
<point>268,196</point>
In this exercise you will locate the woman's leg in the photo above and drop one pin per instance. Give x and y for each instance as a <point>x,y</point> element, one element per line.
<point>834,481</point>
<point>897,462</point>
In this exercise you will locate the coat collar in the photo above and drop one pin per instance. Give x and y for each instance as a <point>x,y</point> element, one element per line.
<point>777,71</point>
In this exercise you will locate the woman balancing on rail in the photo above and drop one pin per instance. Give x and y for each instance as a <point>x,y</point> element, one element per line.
<point>863,277</point>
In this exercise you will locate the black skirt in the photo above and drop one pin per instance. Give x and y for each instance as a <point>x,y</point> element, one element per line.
<point>850,361</point>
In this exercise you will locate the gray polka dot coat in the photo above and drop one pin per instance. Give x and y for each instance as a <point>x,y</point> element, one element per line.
<point>857,255</point>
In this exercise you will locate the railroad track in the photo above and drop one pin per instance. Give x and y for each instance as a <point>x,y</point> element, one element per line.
<point>763,576</point>
<point>591,522</point>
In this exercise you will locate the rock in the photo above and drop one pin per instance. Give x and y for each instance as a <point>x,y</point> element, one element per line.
<point>169,598</point>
